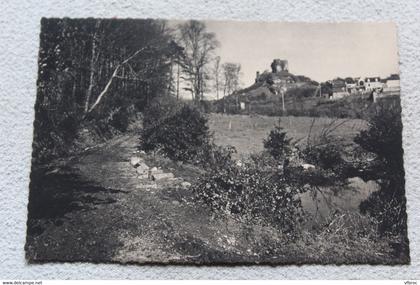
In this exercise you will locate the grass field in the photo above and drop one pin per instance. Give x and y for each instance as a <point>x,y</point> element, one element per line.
<point>247,132</point>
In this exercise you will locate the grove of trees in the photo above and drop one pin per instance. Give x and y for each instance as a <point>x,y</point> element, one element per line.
<point>98,73</point>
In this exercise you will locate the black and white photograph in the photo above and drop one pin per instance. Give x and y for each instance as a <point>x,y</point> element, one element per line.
<point>201,142</point>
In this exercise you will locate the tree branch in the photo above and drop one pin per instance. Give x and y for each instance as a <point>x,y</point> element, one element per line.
<point>114,74</point>
<point>105,90</point>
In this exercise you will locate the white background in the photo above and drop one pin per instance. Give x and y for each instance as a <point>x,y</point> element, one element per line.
<point>19,41</point>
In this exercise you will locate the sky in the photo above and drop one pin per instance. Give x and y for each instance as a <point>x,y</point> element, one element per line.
<point>321,51</point>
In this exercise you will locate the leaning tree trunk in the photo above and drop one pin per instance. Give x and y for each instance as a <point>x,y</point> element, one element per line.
<point>105,90</point>
<point>93,62</point>
<point>114,75</point>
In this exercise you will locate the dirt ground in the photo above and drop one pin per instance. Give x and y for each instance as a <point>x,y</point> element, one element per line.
<point>118,217</point>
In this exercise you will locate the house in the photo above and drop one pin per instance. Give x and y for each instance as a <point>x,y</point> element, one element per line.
<point>375,86</point>
<point>351,85</point>
<point>372,83</point>
<point>339,88</point>
<point>392,82</point>
<point>392,85</point>
<point>338,85</point>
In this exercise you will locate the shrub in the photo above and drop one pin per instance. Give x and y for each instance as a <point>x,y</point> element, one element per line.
<point>388,206</point>
<point>326,156</point>
<point>301,92</point>
<point>327,153</point>
<point>182,136</point>
<point>348,237</point>
<point>384,138</point>
<point>277,144</point>
<point>215,157</point>
<point>120,119</point>
<point>251,193</point>
<point>159,109</point>
<point>53,134</point>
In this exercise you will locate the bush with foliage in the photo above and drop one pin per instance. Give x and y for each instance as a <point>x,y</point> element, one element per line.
<point>53,134</point>
<point>251,193</point>
<point>182,136</point>
<point>277,144</point>
<point>159,109</point>
<point>301,92</point>
<point>212,156</point>
<point>326,156</point>
<point>384,138</point>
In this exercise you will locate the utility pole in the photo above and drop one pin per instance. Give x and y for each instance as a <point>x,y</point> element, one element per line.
<point>282,91</point>
<point>216,74</point>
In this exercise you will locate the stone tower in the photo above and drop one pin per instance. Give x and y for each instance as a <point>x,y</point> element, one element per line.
<point>279,65</point>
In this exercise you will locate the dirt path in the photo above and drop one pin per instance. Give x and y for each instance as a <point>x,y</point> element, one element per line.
<point>155,223</point>
<point>126,219</point>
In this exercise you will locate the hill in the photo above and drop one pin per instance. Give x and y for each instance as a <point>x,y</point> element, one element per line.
<point>281,93</point>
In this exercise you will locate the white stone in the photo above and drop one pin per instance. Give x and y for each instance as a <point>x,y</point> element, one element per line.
<point>143,176</point>
<point>135,161</point>
<point>155,170</point>
<point>307,166</point>
<point>159,176</point>
<point>186,184</point>
<point>142,169</point>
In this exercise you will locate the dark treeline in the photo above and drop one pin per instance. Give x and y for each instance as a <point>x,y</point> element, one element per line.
<point>97,72</point>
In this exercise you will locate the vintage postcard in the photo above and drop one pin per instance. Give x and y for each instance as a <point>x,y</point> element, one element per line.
<point>217,142</point>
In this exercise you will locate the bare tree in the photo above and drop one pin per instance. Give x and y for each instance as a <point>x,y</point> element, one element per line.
<point>216,72</point>
<point>93,64</point>
<point>231,74</point>
<point>198,47</point>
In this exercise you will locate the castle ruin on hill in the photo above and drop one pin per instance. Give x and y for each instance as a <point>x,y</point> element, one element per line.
<point>280,75</point>
<point>279,65</point>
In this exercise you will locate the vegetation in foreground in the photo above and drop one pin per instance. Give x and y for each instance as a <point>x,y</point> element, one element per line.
<point>266,188</point>
<point>234,226</point>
